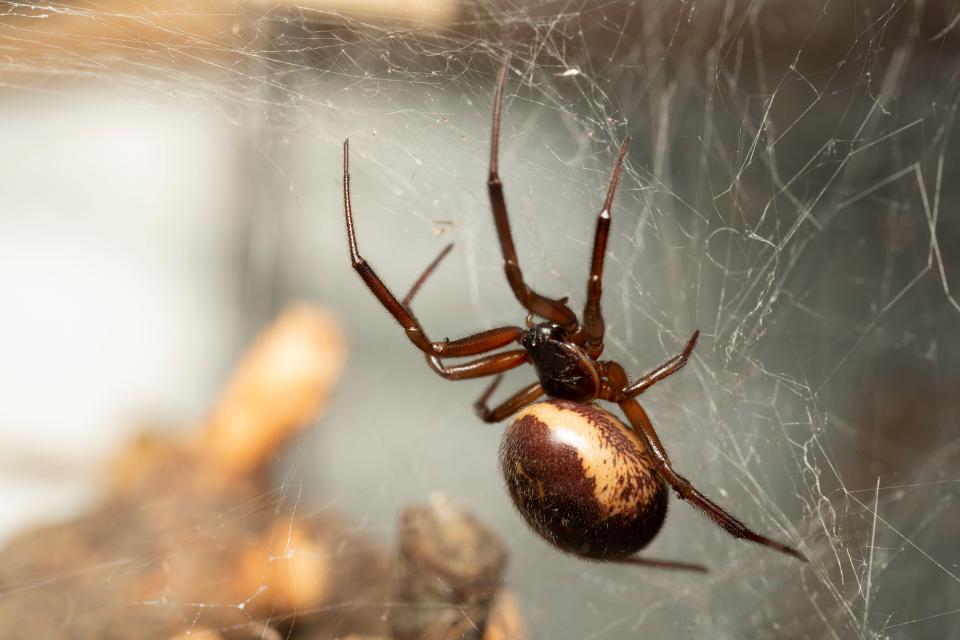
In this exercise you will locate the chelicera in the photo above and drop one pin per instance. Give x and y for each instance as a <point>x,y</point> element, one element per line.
<point>581,478</point>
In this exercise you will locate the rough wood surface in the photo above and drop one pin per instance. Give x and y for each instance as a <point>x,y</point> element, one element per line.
<point>448,571</point>
<point>282,384</point>
<point>45,42</point>
<point>191,538</point>
<point>192,542</point>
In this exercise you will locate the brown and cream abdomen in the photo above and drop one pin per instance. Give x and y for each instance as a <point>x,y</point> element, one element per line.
<point>582,479</point>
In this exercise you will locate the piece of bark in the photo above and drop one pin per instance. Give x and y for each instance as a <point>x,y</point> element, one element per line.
<point>110,38</point>
<point>191,542</point>
<point>191,537</point>
<point>252,631</point>
<point>157,564</point>
<point>448,571</point>
<point>505,621</point>
<point>282,383</point>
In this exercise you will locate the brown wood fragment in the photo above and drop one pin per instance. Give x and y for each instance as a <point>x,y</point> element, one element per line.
<point>191,539</point>
<point>108,38</point>
<point>447,574</point>
<point>191,542</point>
<point>252,631</point>
<point>283,382</point>
<point>506,620</point>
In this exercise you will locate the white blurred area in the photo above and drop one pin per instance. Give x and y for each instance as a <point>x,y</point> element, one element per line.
<point>116,219</point>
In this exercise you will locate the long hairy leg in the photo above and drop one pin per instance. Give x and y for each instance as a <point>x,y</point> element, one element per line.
<point>687,492</point>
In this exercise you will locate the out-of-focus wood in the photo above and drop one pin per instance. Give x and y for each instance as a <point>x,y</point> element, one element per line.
<point>252,631</point>
<point>94,39</point>
<point>294,563</point>
<point>283,383</point>
<point>506,619</point>
<point>75,38</point>
<point>192,539</point>
<point>448,571</point>
<point>191,542</point>
<point>82,38</point>
<point>185,550</point>
<point>198,634</point>
<point>431,12</point>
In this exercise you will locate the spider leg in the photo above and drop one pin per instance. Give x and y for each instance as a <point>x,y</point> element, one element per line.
<point>686,491</point>
<point>662,564</point>
<point>485,366</point>
<point>665,370</point>
<point>407,299</point>
<point>592,317</point>
<point>553,310</point>
<point>509,406</point>
<point>469,346</point>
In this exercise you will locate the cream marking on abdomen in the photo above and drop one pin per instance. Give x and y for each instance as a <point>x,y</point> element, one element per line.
<point>609,453</point>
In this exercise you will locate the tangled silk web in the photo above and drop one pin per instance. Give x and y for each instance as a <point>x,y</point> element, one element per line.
<point>791,191</point>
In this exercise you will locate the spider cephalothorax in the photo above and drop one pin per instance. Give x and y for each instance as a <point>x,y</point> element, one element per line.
<point>565,370</point>
<point>580,477</point>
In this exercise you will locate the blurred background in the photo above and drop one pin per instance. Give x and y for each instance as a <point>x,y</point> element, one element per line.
<point>170,179</point>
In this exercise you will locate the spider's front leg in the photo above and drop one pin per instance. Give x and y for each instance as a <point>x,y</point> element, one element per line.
<point>553,310</point>
<point>469,346</point>
<point>593,324</point>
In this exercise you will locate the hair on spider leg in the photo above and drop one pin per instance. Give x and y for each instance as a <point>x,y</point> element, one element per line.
<point>582,479</point>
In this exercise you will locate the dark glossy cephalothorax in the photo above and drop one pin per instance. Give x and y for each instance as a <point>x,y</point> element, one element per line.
<point>581,478</point>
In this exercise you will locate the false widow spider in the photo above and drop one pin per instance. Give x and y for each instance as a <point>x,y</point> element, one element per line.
<point>582,479</point>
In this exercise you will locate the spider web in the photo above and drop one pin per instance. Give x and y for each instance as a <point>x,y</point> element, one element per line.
<point>790,191</point>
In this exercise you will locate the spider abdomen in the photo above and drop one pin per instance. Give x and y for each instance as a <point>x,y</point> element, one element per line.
<point>582,480</point>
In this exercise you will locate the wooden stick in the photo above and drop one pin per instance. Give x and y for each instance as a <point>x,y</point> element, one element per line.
<point>282,384</point>
<point>448,571</point>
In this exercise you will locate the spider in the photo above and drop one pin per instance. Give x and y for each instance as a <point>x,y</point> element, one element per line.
<point>581,478</point>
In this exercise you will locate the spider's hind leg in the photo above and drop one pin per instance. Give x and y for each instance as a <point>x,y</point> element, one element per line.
<point>662,564</point>
<point>687,492</point>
